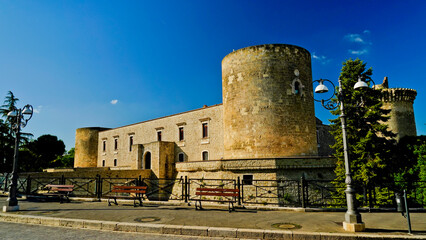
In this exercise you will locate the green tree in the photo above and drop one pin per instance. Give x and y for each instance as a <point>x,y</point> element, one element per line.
<point>369,140</point>
<point>66,160</point>
<point>42,153</point>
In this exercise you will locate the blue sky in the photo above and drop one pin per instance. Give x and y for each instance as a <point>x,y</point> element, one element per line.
<point>111,63</point>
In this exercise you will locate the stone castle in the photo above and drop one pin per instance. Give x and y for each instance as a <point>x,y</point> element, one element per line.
<point>265,128</point>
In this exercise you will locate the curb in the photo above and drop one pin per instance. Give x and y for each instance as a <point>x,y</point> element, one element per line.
<point>193,230</point>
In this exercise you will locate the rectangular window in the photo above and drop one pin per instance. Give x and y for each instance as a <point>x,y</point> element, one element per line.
<point>115,162</point>
<point>181,136</point>
<point>247,179</point>
<point>103,163</point>
<point>159,136</point>
<point>130,143</point>
<point>205,130</point>
<point>205,155</point>
<point>104,145</point>
<point>115,143</point>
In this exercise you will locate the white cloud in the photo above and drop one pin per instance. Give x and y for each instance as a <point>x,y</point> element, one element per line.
<point>358,52</point>
<point>114,101</point>
<point>354,37</point>
<point>322,59</point>
<point>37,109</point>
<point>366,31</point>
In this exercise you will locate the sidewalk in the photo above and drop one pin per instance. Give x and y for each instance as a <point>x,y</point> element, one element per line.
<point>214,220</point>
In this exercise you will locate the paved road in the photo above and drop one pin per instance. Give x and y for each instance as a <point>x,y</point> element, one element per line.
<point>16,231</point>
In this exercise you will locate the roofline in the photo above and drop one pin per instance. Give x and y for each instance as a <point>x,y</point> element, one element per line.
<point>163,117</point>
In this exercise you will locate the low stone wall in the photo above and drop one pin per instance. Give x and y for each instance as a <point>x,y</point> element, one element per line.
<point>91,173</point>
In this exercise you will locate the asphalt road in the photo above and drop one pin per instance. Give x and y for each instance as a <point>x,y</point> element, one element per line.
<point>16,231</point>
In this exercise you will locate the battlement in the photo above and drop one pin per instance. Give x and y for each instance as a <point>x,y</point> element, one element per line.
<point>398,95</point>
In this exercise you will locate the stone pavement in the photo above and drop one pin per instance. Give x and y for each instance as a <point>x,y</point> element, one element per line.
<point>214,220</point>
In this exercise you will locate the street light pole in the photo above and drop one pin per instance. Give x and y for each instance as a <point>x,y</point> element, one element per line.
<point>353,220</point>
<point>12,201</point>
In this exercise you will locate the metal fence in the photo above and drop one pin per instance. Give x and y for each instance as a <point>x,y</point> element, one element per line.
<point>292,193</point>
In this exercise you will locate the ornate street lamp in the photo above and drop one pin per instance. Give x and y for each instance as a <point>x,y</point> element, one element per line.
<point>19,118</point>
<point>353,221</point>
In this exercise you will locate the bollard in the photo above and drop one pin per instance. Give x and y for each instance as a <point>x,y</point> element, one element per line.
<point>407,211</point>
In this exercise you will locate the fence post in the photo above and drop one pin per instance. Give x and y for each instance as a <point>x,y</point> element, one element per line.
<point>185,187</point>
<point>302,184</point>
<point>98,187</point>
<point>62,179</point>
<point>239,190</point>
<point>140,180</point>
<point>5,182</point>
<point>28,190</point>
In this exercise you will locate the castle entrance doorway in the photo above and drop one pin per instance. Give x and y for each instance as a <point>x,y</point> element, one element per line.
<point>147,160</point>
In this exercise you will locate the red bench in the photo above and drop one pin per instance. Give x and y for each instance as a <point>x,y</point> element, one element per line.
<point>230,195</point>
<point>131,192</point>
<point>62,191</point>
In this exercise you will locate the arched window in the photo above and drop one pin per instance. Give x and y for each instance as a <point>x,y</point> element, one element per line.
<point>205,155</point>
<point>147,160</point>
<point>115,162</point>
<point>181,157</point>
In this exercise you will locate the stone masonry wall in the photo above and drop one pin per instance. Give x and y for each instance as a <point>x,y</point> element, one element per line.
<point>268,104</point>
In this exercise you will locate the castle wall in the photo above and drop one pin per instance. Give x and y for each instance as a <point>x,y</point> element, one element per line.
<point>268,104</point>
<point>146,132</point>
<point>86,147</point>
<point>400,101</point>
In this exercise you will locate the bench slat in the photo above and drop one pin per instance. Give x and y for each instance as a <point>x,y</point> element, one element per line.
<point>218,189</point>
<point>61,186</point>
<point>216,194</point>
<point>127,191</point>
<point>62,189</point>
<point>130,187</point>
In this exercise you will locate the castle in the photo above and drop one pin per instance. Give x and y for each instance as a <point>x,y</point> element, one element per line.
<point>265,128</point>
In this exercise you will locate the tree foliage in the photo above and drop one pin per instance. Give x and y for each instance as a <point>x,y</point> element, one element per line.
<point>369,141</point>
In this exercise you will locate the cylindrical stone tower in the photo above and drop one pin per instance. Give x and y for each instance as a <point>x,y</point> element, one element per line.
<point>86,147</point>
<point>267,102</point>
<point>400,101</point>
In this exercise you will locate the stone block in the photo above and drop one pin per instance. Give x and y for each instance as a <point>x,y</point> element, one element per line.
<point>34,220</point>
<point>92,224</point>
<point>149,228</point>
<point>222,232</point>
<point>126,227</point>
<point>377,237</point>
<point>274,234</point>
<point>250,233</point>
<point>306,236</point>
<point>48,221</point>
<point>195,231</point>
<point>172,229</point>
<point>354,227</point>
<point>74,223</point>
<point>111,226</point>
<point>338,236</point>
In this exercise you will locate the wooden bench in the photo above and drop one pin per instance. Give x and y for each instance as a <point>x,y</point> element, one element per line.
<point>132,192</point>
<point>230,195</point>
<point>62,191</point>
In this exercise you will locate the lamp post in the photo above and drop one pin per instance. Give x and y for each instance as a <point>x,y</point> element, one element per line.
<point>353,221</point>
<point>19,118</point>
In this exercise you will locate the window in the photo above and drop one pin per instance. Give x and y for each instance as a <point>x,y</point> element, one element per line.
<point>115,143</point>
<point>103,163</point>
<point>159,136</point>
<point>130,143</point>
<point>205,130</point>
<point>296,88</point>
<point>148,160</point>
<point>181,157</point>
<point>247,179</point>
<point>181,135</point>
<point>205,155</point>
<point>115,162</point>
<point>104,145</point>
